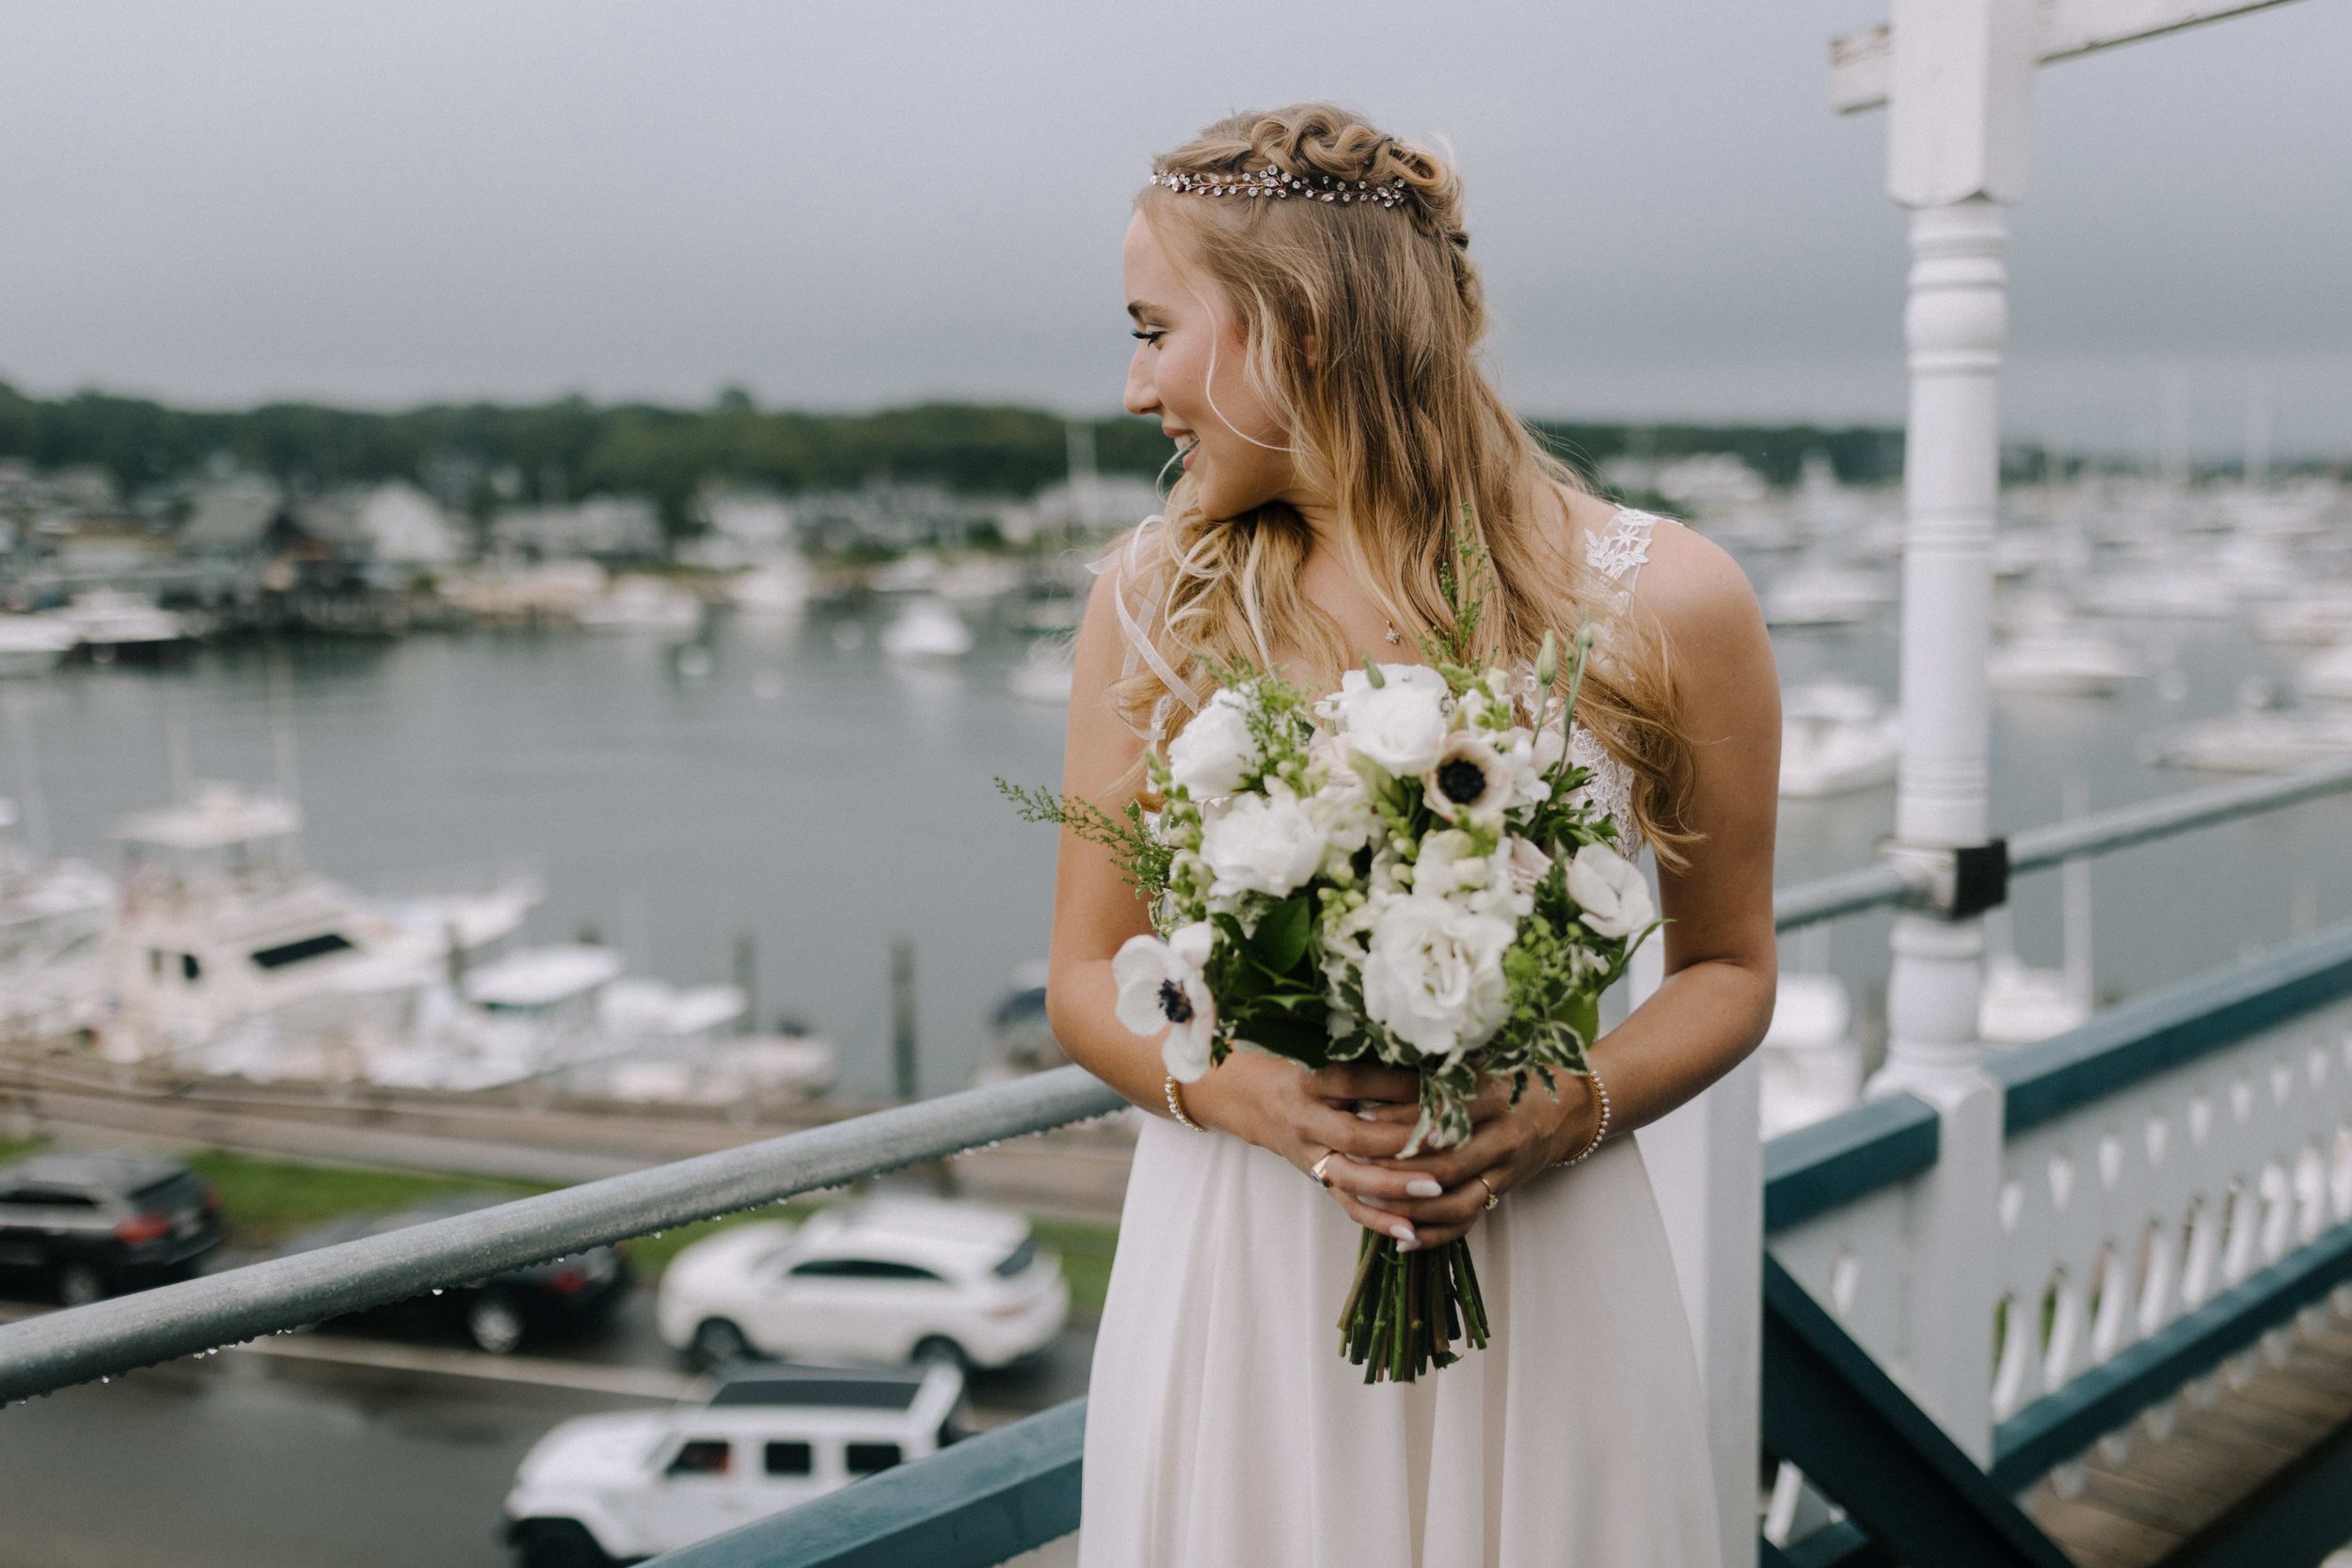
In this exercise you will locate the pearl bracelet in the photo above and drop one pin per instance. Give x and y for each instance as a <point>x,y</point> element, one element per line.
<point>1176,1104</point>
<point>1600,1129</point>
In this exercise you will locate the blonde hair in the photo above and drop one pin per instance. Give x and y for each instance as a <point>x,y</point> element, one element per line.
<point>1396,422</point>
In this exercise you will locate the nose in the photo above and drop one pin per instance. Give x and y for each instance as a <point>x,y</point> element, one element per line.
<point>1141,397</point>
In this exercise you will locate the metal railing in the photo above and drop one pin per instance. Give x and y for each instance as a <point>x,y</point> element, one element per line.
<point>45,1354</point>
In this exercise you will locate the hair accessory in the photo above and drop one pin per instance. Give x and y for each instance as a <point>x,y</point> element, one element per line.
<point>1176,1104</point>
<point>1600,1130</point>
<point>1280,185</point>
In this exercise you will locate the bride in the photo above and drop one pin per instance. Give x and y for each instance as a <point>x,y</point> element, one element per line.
<point>1307,317</point>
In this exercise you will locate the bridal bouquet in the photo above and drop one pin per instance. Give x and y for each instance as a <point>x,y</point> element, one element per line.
<point>1403,872</point>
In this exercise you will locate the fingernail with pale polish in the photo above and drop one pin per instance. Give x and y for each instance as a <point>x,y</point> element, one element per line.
<point>1404,1233</point>
<point>1370,1202</point>
<point>1409,1246</point>
<point>1422,1186</point>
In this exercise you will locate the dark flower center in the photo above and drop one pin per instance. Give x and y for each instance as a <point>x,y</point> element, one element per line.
<point>1174,1003</point>
<point>1462,781</point>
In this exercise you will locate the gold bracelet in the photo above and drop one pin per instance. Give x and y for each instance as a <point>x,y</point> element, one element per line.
<point>1600,1129</point>
<point>1176,1104</point>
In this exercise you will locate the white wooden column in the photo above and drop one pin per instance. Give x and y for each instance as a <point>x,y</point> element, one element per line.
<point>1960,99</point>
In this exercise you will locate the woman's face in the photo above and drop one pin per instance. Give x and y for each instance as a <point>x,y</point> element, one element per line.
<point>1187,373</point>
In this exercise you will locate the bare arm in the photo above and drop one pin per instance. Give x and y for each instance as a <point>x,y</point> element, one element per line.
<point>1720,962</point>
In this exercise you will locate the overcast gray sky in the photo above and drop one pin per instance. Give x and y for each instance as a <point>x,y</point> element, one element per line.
<point>844,205</point>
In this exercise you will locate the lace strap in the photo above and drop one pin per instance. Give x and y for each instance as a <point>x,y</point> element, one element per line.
<point>1617,551</point>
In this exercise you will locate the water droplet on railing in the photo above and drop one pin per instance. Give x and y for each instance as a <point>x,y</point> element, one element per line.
<point>436,1290</point>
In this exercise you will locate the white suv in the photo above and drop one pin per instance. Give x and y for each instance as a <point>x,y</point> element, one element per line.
<point>607,1489</point>
<point>889,1279</point>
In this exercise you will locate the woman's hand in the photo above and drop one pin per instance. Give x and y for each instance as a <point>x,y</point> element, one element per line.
<point>1304,1116</point>
<point>1507,1145</point>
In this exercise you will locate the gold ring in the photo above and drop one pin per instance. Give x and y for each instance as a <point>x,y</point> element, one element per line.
<point>1316,1170</point>
<point>1493,1197</point>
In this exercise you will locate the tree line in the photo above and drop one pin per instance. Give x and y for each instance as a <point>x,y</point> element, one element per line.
<point>476,454</point>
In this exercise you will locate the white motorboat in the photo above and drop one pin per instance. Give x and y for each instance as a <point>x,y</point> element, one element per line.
<point>1044,674</point>
<point>53,917</point>
<point>927,631</point>
<point>979,577</point>
<point>34,645</point>
<point>2259,741</point>
<point>642,603</point>
<point>2162,594</point>
<point>1811,1059</point>
<point>1826,596</point>
<point>221,923</point>
<point>2062,663</point>
<point>1837,738</point>
<point>2318,618</point>
<point>778,587</point>
<point>108,624</point>
<point>2021,1005</point>
<point>2328,676</point>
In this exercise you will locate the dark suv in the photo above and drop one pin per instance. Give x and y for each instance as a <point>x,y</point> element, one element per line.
<point>98,1222</point>
<point>497,1313</point>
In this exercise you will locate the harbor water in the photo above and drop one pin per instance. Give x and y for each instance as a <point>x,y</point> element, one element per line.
<point>785,780</point>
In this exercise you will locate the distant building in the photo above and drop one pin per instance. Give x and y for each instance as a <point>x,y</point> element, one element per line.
<point>232,516</point>
<point>601,528</point>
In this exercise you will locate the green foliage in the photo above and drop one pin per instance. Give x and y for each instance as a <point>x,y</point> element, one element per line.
<point>1143,860</point>
<point>267,1200</point>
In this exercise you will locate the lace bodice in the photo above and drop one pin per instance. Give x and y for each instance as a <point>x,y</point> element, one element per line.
<point>1616,552</point>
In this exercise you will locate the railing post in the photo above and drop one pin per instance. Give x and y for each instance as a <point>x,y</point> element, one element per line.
<point>1960,106</point>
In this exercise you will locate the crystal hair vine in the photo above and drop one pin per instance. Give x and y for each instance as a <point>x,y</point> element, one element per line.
<point>1280,185</point>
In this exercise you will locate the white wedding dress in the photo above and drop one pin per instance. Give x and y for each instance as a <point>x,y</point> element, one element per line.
<point>1224,1429</point>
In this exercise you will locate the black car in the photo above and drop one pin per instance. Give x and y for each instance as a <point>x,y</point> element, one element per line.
<point>498,1311</point>
<point>95,1222</point>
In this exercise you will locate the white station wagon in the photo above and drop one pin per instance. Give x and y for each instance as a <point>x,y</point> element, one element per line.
<point>606,1489</point>
<point>887,1279</point>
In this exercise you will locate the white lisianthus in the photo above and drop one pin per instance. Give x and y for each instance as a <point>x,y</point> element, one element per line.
<point>1532,758</point>
<point>1401,723</point>
<point>1609,889</point>
<point>1267,844</point>
<point>1433,976</point>
<point>1528,865</point>
<point>1212,754</point>
<point>1162,986</point>
<point>1344,813</point>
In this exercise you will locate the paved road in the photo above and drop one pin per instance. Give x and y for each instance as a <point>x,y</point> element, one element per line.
<point>339,1450</point>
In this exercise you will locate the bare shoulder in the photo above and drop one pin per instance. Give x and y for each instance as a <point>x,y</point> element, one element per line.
<point>1717,648</point>
<point>1698,594</point>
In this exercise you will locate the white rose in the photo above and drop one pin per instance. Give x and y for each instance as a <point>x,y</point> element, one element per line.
<point>1265,843</point>
<point>1401,724</point>
<point>1609,889</point>
<point>1433,976</point>
<point>1210,755</point>
<point>1161,986</point>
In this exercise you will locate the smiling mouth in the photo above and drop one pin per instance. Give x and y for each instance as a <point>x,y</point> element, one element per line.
<point>1184,449</point>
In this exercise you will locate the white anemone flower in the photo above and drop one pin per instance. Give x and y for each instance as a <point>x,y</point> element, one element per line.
<point>1162,986</point>
<point>1469,781</point>
<point>1609,889</point>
